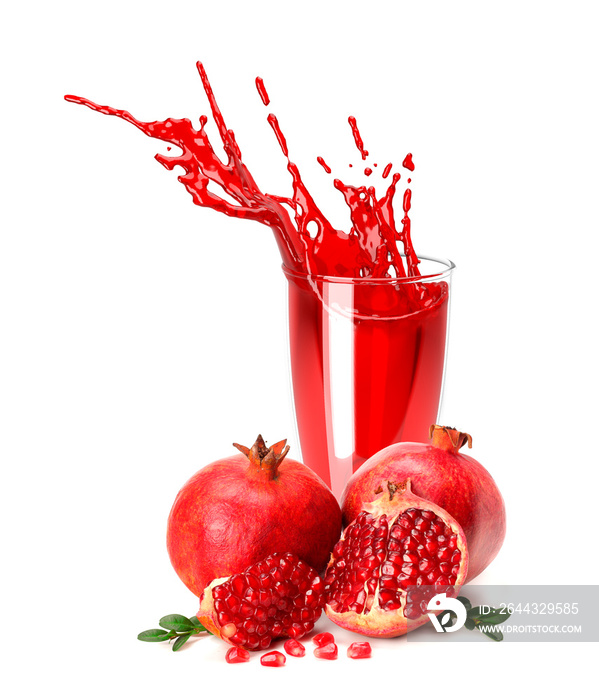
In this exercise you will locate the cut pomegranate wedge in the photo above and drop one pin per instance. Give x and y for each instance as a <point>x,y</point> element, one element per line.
<point>392,559</point>
<point>280,596</point>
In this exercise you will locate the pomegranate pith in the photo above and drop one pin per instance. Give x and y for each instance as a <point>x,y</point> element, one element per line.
<point>280,596</point>
<point>391,560</point>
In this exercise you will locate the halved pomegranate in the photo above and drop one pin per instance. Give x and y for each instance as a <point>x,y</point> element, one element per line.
<point>397,554</point>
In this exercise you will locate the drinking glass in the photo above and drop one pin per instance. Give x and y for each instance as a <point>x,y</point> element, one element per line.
<point>367,362</point>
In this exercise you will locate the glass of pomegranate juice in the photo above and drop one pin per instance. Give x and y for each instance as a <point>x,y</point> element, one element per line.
<point>367,361</point>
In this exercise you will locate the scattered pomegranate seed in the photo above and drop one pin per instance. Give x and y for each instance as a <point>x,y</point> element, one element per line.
<point>327,651</point>
<point>237,655</point>
<point>273,658</point>
<point>323,638</point>
<point>359,650</point>
<point>294,648</point>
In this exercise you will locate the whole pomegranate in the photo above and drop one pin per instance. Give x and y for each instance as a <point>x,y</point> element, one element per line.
<point>438,473</point>
<point>392,560</point>
<point>237,510</point>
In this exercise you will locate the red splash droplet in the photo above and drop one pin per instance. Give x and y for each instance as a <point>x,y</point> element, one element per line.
<point>262,91</point>
<point>408,163</point>
<point>324,165</point>
<point>357,138</point>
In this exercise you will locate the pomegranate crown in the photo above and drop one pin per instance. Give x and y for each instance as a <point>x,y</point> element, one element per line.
<point>449,439</point>
<point>263,460</point>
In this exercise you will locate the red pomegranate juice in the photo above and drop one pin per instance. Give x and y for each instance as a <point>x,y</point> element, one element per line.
<point>367,369</point>
<point>367,330</point>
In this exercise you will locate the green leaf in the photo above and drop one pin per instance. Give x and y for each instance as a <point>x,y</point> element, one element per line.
<point>495,635</point>
<point>474,612</point>
<point>177,623</point>
<point>465,602</point>
<point>154,635</point>
<point>469,624</point>
<point>181,641</point>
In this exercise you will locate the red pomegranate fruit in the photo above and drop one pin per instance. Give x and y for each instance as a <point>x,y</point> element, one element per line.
<point>393,558</point>
<point>439,473</point>
<point>280,596</point>
<point>236,511</point>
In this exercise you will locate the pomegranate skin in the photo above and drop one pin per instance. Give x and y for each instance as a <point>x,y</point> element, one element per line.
<point>441,474</point>
<point>236,511</point>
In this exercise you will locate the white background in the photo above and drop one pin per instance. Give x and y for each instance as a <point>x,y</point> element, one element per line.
<point>131,354</point>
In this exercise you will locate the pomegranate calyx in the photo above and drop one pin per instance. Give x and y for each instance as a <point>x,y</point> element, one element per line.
<point>394,487</point>
<point>264,460</point>
<point>449,439</point>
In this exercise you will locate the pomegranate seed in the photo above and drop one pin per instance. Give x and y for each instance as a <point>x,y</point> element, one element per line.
<point>238,584</point>
<point>323,638</point>
<point>294,648</point>
<point>421,524</point>
<point>359,650</point>
<point>404,522</point>
<point>426,565</point>
<point>273,658</point>
<point>237,655</point>
<point>240,637</point>
<point>431,546</point>
<point>249,626</point>
<point>438,527</point>
<point>328,651</point>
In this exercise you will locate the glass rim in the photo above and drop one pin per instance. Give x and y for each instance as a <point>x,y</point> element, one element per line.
<point>448,268</point>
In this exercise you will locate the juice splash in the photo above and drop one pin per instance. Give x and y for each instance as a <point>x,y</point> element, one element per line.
<point>367,333</point>
<point>370,249</point>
